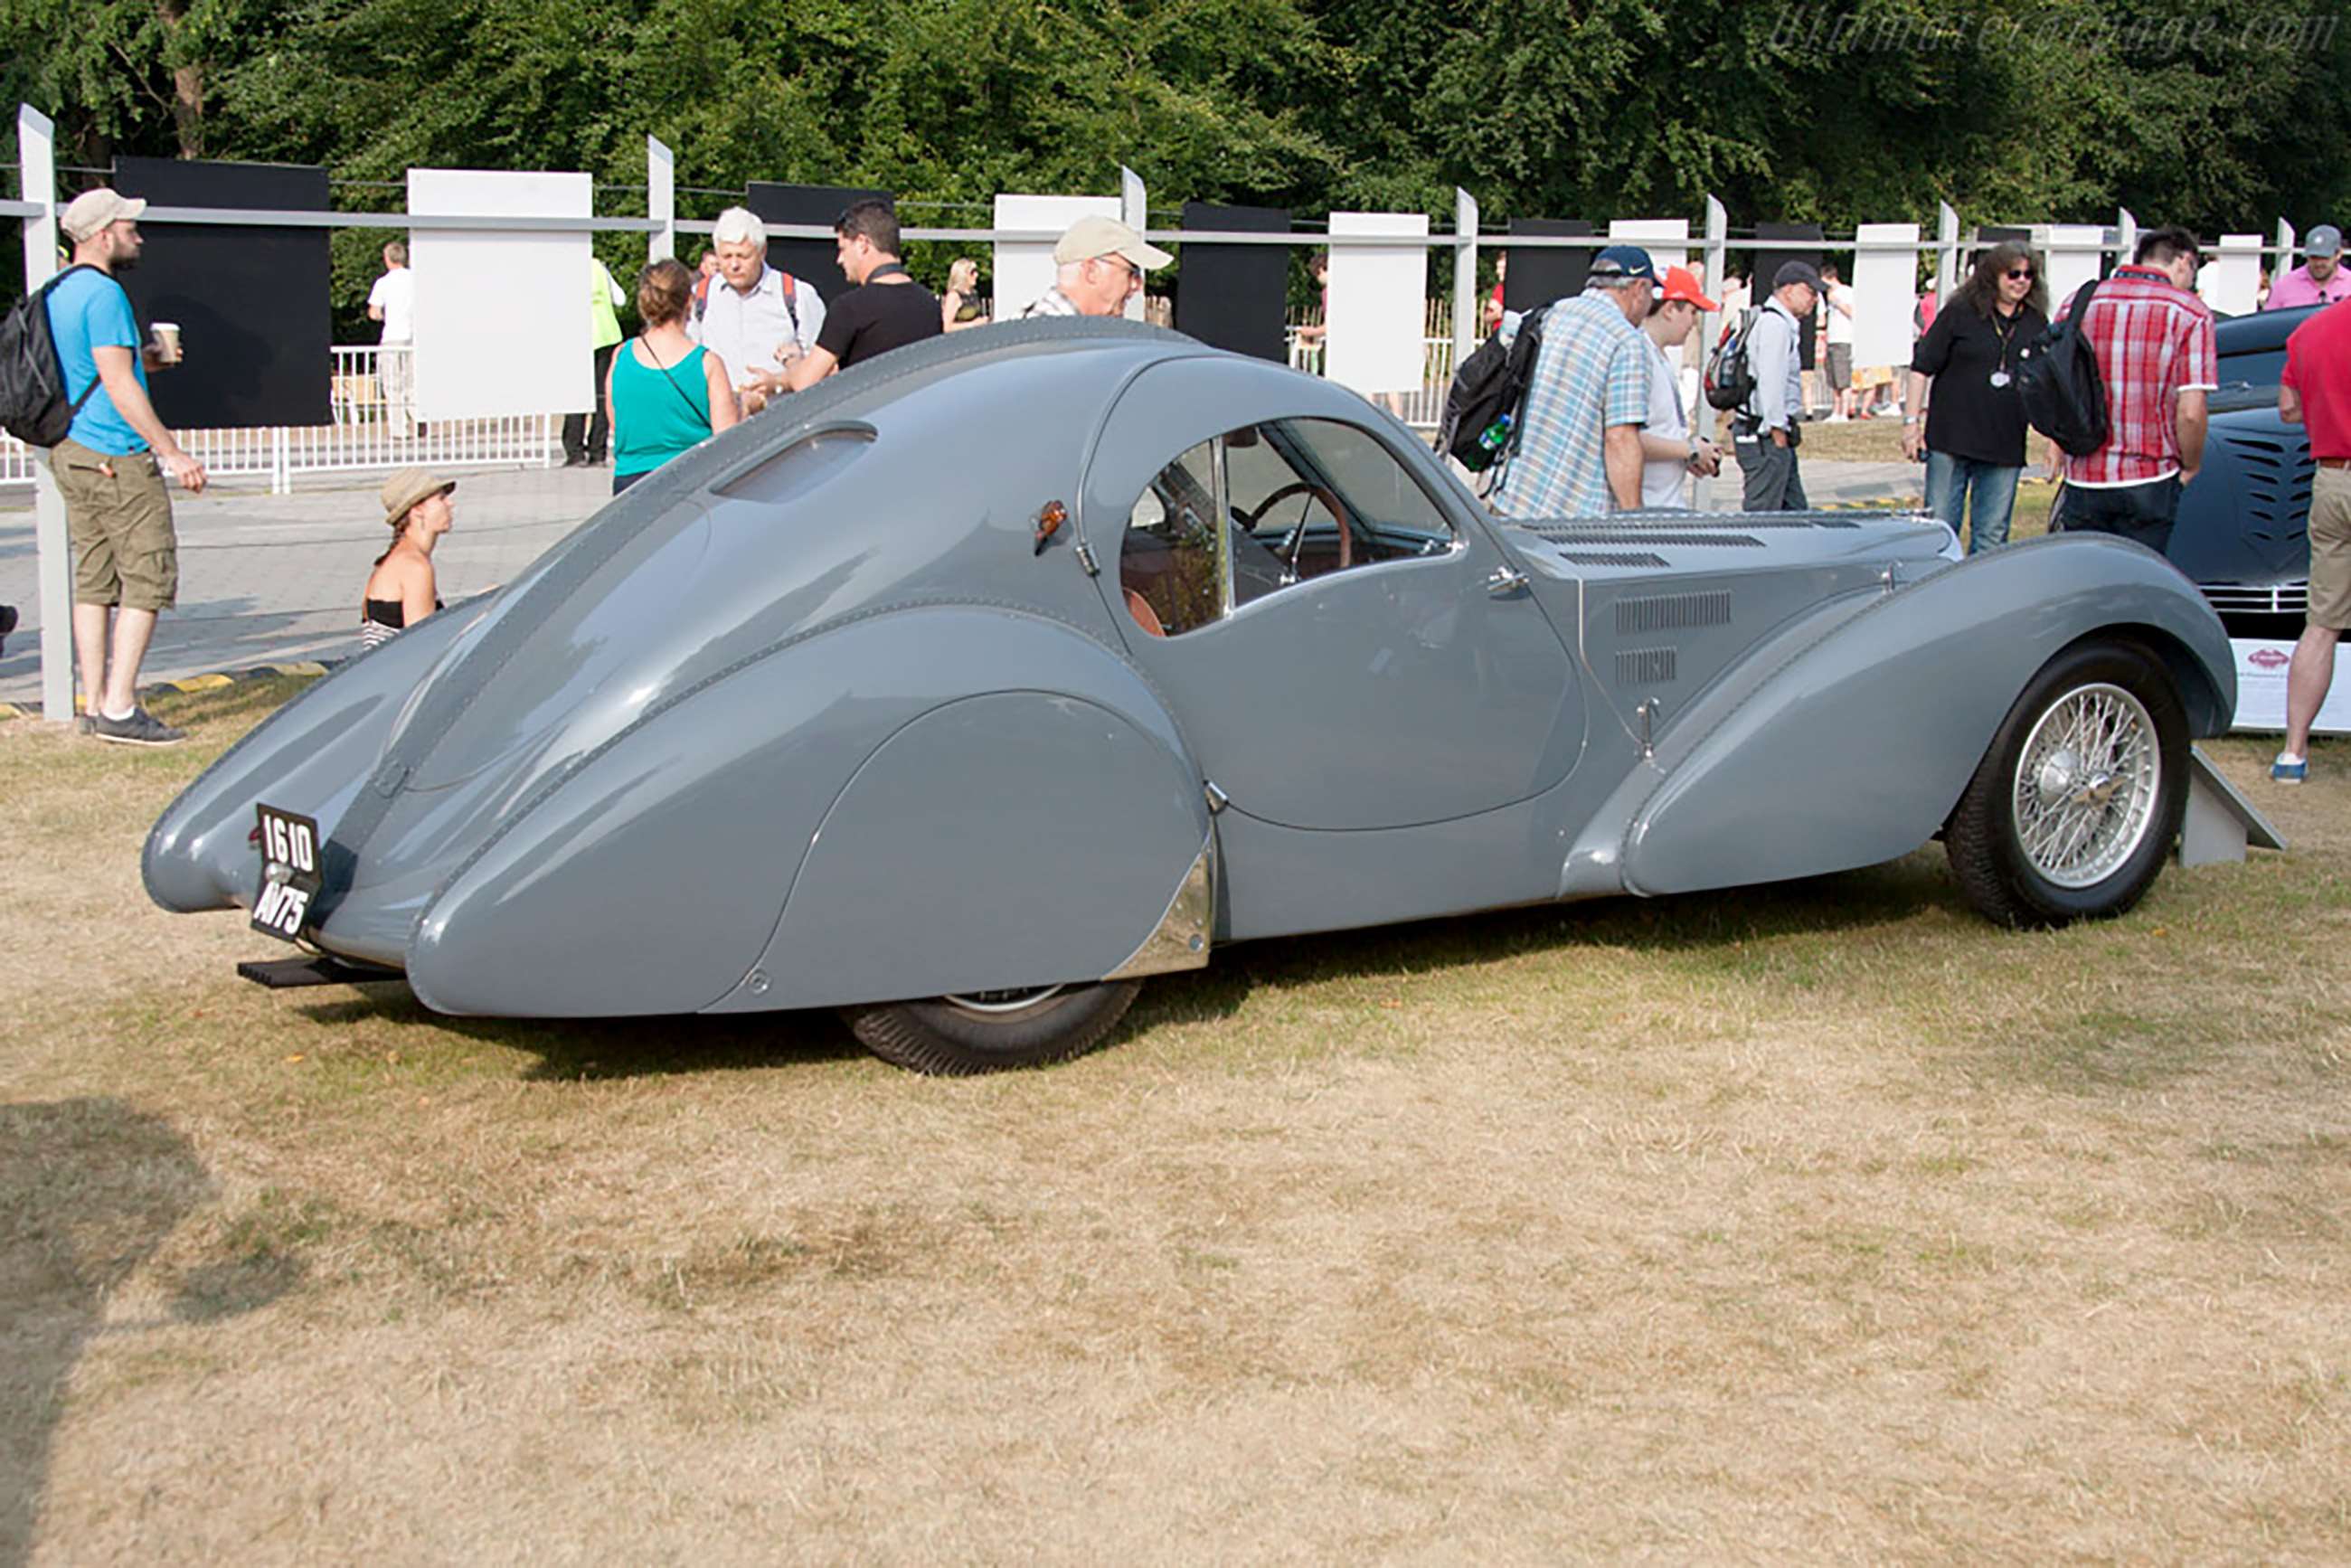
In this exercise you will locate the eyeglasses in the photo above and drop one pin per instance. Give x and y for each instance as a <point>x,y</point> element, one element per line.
<point>2016,272</point>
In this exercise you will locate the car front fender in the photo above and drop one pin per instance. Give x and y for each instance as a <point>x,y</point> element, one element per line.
<point>1855,745</point>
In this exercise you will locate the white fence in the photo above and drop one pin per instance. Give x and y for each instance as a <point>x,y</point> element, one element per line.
<point>374,424</point>
<point>373,427</point>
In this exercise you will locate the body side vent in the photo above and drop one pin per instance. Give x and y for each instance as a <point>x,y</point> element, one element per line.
<point>1672,612</point>
<point>1645,666</point>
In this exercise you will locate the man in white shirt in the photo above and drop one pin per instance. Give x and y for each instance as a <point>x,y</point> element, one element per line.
<point>1670,453</point>
<point>393,301</point>
<point>1846,401</point>
<point>756,319</point>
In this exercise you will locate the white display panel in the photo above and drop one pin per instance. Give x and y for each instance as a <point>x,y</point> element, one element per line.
<point>1885,293</point>
<point>501,316</point>
<point>2261,689</point>
<point>1025,268</point>
<point>1665,239</point>
<point>2231,282</point>
<point>2071,259</point>
<point>1377,305</point>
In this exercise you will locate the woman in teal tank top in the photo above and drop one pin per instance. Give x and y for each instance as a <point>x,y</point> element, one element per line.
<point>665,392</point>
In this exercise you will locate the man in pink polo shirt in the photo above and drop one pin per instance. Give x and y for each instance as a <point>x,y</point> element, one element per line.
<point>2316,392</point>
<point>2320,279</point>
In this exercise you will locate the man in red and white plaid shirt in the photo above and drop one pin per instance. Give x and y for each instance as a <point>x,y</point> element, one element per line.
<point>2157,360</point>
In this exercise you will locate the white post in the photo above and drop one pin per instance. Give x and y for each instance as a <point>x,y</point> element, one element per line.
<point>38,163</point>
<point>281,467</point>
<point>1947,251</point>
<point>1134,211</point>
<point>2125,236</point>
<point>660,199</point>
<point>1717,267</point>
<point>1465,275</point>
<point>2285,239</point>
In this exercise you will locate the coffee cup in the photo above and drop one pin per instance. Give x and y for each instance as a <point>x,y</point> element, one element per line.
<point>167,341</point>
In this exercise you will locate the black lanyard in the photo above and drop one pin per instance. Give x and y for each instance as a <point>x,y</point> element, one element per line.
<point>885,269</point>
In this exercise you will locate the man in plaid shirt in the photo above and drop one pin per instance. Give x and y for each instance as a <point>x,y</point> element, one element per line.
<point>2157,360</point>
<point>1579,448</point>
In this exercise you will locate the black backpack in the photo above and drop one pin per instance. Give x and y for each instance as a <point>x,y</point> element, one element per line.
<point>1481,407</point>
<point>1729,379</point>
<point>2058,377</point>
<point>33,405</point>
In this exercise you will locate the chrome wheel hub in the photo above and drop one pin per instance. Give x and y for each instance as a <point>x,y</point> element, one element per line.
<point>995,1004</point>
<point>2086,785</point>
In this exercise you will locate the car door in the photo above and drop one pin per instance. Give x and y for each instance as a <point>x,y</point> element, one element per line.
<point>1417,681</point>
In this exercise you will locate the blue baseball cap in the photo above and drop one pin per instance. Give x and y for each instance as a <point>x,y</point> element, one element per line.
<point>1623,261</point>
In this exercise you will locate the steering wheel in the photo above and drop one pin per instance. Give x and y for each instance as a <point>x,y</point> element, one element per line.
<point>1295,545</point>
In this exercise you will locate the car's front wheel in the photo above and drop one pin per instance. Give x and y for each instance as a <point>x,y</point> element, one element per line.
<point>990,1031</point>
<point>2075,805</point>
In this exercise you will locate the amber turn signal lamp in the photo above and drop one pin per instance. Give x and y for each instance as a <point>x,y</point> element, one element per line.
<point>1049,523</point>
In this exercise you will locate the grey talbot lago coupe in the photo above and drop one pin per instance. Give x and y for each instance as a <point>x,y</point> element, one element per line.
<point>992,676</point>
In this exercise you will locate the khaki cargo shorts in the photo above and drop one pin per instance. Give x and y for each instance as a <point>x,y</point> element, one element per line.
<point>2330,549</point>
<point>118,522</point>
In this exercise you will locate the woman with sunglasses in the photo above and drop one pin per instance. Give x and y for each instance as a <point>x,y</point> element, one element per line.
<point>1972,434</point>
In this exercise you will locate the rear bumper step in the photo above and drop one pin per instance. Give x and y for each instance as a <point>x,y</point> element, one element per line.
<point>320,970</point>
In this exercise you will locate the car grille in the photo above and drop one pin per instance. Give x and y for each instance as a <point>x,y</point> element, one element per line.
<point>2257,597</point>
<point>2276,501</point>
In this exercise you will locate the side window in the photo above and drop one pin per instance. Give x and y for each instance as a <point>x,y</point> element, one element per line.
<point>1171,563</point>
<point>1263,508</point>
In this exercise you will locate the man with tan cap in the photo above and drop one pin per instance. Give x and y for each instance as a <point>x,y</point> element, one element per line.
<point>1102,264</point>
<point>110,469</point>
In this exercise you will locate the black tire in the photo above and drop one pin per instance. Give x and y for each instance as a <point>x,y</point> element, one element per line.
<point>956,1036</point>
<point>2100,806</point>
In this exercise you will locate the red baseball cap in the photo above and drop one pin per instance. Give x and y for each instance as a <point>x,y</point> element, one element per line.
<point>1681,282</point>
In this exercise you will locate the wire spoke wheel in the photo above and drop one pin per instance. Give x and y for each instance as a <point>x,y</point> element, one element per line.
<point>2081,793</point>
<point>2086,785</point>
<point>989,1031</point>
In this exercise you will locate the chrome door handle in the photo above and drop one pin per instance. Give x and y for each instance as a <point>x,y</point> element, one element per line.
<point>1505,581</point>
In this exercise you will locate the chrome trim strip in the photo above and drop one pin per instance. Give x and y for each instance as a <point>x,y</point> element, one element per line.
<point>1181,939</point>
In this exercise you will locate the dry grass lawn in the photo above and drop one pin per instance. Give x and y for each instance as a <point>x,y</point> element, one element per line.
<point>1813,1222</point>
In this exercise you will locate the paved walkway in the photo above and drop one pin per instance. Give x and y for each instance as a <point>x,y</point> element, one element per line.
<point>274,579</point>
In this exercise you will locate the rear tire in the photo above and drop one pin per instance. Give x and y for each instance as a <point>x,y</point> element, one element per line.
<point>992,1032</point>
<point>2075,807</point>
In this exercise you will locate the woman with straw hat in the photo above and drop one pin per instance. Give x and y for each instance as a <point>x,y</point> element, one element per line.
<point>401,591</point>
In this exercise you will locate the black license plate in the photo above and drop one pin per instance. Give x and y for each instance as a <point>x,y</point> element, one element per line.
<point>289,873</point>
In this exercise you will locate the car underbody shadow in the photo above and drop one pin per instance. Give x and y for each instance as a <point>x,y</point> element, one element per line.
<point>570,1050</point>
<point>573,1050</point>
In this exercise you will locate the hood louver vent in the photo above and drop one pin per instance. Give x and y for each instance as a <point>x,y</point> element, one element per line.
<point>1608,558</point>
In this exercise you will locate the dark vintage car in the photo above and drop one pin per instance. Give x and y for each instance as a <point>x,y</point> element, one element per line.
<point>978,683</point>
<point>2243,532</point>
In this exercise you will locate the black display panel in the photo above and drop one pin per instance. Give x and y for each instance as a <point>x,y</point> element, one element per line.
<point>1538,276</point>
<point>1233,295</point>
<point>811,260</point>
<point>1767,264</point>
<point>256,321</point>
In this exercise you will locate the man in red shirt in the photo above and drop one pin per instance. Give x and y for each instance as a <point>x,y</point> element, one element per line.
<point>2316,392</point>
<point>2157,360</point>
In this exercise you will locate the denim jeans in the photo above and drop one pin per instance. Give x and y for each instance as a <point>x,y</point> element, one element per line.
<point>1949,481</point>
<point>2140,512</point>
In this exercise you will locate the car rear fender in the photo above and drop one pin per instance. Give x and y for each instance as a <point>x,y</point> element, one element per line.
<point>650,876</point>
<point>1854,746</point>
<point>310,757</point>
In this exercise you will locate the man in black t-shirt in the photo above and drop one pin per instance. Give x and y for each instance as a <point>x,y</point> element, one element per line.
<point>886,310</point>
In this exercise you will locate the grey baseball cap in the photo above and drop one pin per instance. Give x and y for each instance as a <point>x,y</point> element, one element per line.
<point>2324,240</point>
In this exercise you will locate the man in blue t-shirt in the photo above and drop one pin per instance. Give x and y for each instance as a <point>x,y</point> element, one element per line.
<point>110,469</point>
